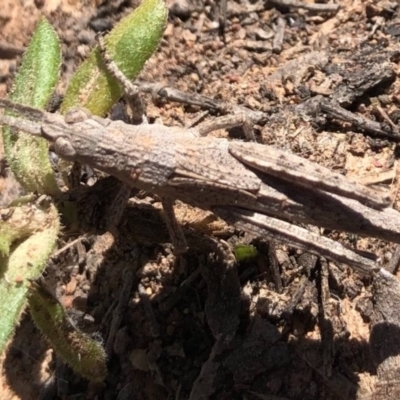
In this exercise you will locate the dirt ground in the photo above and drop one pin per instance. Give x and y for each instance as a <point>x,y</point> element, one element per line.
<point>285,325</point>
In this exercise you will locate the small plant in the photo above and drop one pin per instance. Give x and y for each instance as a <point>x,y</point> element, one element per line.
<point>30,226</point>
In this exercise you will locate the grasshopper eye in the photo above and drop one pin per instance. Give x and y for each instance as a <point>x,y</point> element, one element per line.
<point>64,148</point>
<point>77,114</point>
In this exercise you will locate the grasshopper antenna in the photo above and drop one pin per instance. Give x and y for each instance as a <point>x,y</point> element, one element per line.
<point>23,124</point>
<point>30,113</point>
<point>25,118</point>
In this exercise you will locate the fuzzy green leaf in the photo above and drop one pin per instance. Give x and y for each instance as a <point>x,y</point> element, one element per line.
<point>84,354</point>
<point>130,44</point>
<point>28,155</point>
<point>39,224</point>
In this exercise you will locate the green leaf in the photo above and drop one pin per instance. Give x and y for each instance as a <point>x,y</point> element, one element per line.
<point>245,252</point>
<point>28,231</point>
<point>85,355</point>
<point>28,155</point>
<point>36,227</point>
<point>130,44</point>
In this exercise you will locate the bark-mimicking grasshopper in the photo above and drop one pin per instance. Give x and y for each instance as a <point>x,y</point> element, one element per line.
<point>249,184</point>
